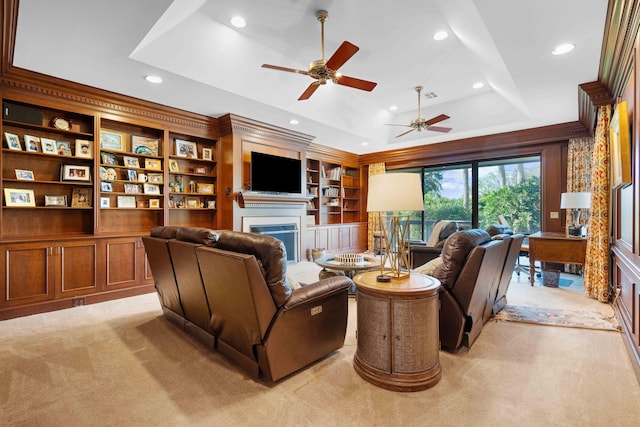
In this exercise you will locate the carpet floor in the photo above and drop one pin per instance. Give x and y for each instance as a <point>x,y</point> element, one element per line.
<point>121,363</point>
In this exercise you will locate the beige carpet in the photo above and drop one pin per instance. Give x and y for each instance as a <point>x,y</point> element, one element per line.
<point>120,363</point>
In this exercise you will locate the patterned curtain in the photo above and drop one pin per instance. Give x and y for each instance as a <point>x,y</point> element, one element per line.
<point>579,179</point>
<point>374,169</point>
<point>596,271</point>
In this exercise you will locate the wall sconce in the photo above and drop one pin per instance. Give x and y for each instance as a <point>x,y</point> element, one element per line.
<point>398,193</point>
<point>575,202</point>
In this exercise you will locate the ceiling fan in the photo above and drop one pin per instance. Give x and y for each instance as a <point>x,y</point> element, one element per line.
<point>323,70</point>
<point>421,124</point>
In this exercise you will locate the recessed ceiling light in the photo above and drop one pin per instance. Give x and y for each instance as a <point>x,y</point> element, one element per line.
<point>153,79</point>
<point>294,121</point>
<point>238,22</point>
<point>478,85</point>
<point>393,107</point>
<point>563,48</point>
<point>364,144</point>
<point>440,35</point>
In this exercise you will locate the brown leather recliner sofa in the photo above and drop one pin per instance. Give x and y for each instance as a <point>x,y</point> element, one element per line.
<point>230,290</point>
<point>470,269</point>
<point>514,246</point>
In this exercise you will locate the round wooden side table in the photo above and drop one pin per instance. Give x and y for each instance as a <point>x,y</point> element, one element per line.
<point>397,332</point>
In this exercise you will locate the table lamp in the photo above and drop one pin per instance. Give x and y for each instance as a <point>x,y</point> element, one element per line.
<point>575,202</point>
<point>396,193</point>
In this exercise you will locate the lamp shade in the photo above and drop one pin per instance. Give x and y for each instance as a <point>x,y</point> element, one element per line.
<point>578,200</point>
<point>395,192</point>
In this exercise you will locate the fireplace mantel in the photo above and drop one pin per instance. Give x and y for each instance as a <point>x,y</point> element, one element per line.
<point>253,199</point>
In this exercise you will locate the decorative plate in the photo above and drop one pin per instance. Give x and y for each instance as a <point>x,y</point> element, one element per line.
<point>61,123</point>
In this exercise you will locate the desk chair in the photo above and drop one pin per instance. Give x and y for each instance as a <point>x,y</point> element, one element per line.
<point>524,249</point>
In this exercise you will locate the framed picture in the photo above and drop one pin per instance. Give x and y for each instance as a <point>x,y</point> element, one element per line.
<point>81,197</point>
<point>186,149</point>
<point>155,178</point>
<point>153,164</point>
<point>13,142</point>
<point>207,154</point>
<point>200,170</point>
<point>32,143</point>
<point>142,203</point>
<point>151,189</point>
<point>55,200</point>
<point>106,187</point>
<point>620,146</point>
<point>48,146</point>
<point>126,201</point>
<point>193,202</point>
<point>154,203</point>
<point>173,165</point>
<point>133,175</point>
<point>18,197</point>
<point>112,140</point>
<point>211,204</point>
<point>63,148</point>
<point>109,159</point>
<point>132,188</point>
<point>205,188</point>
<point>24,175</point>
<point>84,148</point>
<point>76,173</point>
<point>105,202</point>
<point>144,145</point>
<point>130,162</point>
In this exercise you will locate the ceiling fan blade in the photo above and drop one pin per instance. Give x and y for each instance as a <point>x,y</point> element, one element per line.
<point>342,55</point>
<point>438,128</point>
<point>290,70</point>
<point>404,133</point>
<point>395,124</point>
<point>436,119</point>
<point>356,83</point>
<point>309,91</point>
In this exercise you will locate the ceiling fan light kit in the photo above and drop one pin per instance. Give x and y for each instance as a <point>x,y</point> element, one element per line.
<point>323,70</point>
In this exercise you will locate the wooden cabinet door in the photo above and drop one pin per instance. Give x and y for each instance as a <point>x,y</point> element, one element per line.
<point>28,273</point>
<point>415,340</point>
<point>358,237</point>
<point>125,262</point>
<point>374,332</point>
<point>78,272</point>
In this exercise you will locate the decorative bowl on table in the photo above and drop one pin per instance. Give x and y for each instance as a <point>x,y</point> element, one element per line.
<point>349,259</point>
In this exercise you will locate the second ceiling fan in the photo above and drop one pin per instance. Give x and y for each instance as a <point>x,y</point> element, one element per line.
<point>323,70</point>
<point>421,124</point>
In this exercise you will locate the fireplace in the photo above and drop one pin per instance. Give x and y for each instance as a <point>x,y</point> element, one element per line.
<point>287,229</point>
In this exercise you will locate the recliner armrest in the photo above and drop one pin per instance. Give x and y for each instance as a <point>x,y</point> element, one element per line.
<point>316,290</point>
<point>423,254</point>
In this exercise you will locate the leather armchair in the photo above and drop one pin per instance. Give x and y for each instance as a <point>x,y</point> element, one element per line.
<point>421,253</point>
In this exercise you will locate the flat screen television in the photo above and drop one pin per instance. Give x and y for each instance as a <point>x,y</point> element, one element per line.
<point>275,174</point>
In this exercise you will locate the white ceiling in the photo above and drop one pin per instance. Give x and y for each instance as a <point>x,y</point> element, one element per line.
<point>212,68</point>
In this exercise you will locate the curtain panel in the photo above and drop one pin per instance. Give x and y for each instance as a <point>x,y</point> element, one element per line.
<point>596,271</point>
<point>372,217</point>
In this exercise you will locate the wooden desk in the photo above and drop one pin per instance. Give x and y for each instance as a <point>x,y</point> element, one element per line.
<point>555,247</point>
<point>398,334</point>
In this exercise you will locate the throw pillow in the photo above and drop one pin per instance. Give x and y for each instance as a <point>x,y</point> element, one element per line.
<point>430,267</point>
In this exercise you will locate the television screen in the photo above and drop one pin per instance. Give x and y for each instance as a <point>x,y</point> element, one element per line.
<point>275,174</point>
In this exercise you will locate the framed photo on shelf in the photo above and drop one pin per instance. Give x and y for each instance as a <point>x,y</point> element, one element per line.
<point>63,148</point>
<point>105,202</point>
<point>75,173</point>
<point>151,189</point>
<point>211,204</point>
<point>154,203</point>
<point>132,188</point>
<point>130,162</point>
<point>84,148</point>
<point>126,201</point>
<point>133,175</point>
<point>193,202</point>
<point>106,187</point>
<point>142,204</point>
<point>55,200</point>
<point>48,146</point>
<point>81,197</point>
<point>205,188</point>
<point>19,197</point>
<point>24,175</point>
<point>207,154</point>
<point>155,178</point>
<point>173,165</point>
<point>109,159</point>
<point>31,143</point>
<point>186,149</point>
<point>13,142</point>
<point>144,145</point>
<point>153,164</point>
<point>112,140</point>
<point>200,170</point>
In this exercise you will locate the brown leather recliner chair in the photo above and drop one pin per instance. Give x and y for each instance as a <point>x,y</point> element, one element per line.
<point>470,270</point>
<point>514,245</point>
<point>421,253</point>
